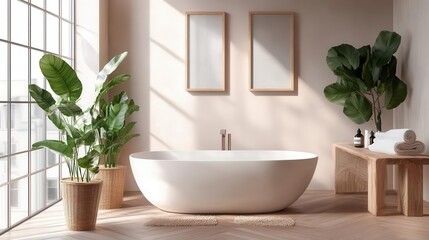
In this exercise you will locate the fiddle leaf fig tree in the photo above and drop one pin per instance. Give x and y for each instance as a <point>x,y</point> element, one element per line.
<point>364,76</point>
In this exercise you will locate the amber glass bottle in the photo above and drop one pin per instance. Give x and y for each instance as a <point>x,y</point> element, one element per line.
<point>358,139</point>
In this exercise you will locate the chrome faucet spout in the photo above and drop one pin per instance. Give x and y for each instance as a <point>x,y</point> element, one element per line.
<point>229,141</point>
<point>223,133</point>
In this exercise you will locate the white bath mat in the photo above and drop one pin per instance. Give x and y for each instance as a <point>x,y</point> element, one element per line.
<point>264,221</point>
<point>178,221</point>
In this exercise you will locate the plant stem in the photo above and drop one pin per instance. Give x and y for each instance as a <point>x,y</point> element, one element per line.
<point>374,108</point>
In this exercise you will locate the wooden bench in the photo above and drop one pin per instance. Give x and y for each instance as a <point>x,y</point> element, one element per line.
<point>361,170</point>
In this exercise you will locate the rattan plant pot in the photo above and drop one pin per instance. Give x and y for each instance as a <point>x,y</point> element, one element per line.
<point>81,201</point>
<point>113,186</point>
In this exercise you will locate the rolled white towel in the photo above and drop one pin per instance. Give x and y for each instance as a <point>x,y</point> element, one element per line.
<point>399,135</point>
<point>383,145</point>
<point>390,146</point>
<point>413,148</point>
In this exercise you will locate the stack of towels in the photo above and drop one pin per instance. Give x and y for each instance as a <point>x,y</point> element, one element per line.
<point>397,141</point>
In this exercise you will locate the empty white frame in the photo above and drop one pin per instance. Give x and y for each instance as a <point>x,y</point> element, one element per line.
<point>271,51</point>
<point>205,51</point>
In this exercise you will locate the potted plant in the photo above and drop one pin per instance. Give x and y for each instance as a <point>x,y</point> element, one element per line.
<point>364,75</point>
<point>79,144</point>
<point>114,133</point>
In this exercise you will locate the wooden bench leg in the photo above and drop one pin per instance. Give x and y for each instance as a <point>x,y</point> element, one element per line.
<point>376,186</point>
<point>410,189</point>
<point>350,173</point>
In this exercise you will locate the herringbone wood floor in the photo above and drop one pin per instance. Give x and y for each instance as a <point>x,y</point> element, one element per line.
<point>318,215</point>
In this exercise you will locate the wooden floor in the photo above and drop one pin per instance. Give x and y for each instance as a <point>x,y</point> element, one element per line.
<point>318,215</point>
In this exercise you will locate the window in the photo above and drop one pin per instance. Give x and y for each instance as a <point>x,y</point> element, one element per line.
<point>14,194</point>
<point>52,190</point>
<point>29,179</point>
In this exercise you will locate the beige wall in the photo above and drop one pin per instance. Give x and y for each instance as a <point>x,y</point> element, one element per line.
<point>170,118</point>
<point>91,44</point>
<point>410,20</point>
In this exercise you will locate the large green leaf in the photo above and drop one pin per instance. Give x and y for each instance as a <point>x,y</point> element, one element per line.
<point>56,120</point>
<point>88,138</point>
<point>116,117</point>
<point>384,47</point>
<point>108,69</point>
<point>367,72</point>
<point>396,92</point>
<point>343,55</point>
<point>72,131</point>
<point>120,98</point>
<point>61,77</point>
<point>56,146</point>
<point>358,108</point>
<point>70,109</point>
<point>124,140</point>
<point>114,82</point>
<point>349,75</point>
<point>88,160</point>
<point>388,72</point>
<point>125,130</point>
<point>339,92</point>
<point>42,97</point>
<point>132,107</point>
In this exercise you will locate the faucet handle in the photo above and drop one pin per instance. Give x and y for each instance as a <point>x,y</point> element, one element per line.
<point>223,131</point>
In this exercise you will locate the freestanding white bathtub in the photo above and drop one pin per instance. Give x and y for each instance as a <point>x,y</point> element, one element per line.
<point>222,181</point>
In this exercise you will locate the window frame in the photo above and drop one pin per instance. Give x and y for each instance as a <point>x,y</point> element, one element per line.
<point>8,103</point>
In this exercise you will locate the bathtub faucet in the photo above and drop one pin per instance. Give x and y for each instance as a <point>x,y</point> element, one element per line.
<point>223,134</point>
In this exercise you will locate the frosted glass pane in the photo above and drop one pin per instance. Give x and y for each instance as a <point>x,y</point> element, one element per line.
<point>38,191</point>
<point>37,28</point>
<point>3,207</point>
<point>19,165</point>
<point>19,127</point>
<point>64,171</point>
<point>66,9</point>
<point>38,3</point>
<point>3,19</point>
<point>3,170</point>
<point>52,179</point>
<point>3,129</point>
<point>53,6</point>
<point>38,128</point>
<point>19,73</point>
<point>38,160</point>
<point>66,39</point>
<point>36,75</point>
<point>19,200</point>
<point>19,22</point>
<point>52,34</point>
<point>3,72</point>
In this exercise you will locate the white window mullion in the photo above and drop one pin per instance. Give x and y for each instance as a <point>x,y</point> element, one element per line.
<point>9,116</point>
<point>29,115</point>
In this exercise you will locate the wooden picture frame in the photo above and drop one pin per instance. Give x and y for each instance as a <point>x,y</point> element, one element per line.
<point>205,51</point>
<point>271,40</point>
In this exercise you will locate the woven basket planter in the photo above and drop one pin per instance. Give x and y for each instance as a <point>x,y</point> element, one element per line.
<point>113,186</point>
<point>81,201</point>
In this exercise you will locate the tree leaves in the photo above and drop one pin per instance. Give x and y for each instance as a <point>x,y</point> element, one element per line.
<point>82,130</point>
<point>363,76</point>
<point>56,146</point>
<point>358,108</point>
<point>339,92</point>
<point>42,97</point>
<point>343,55</point>
<point>61,77</point>
<point>396,92</point>
<point>384,47</point>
